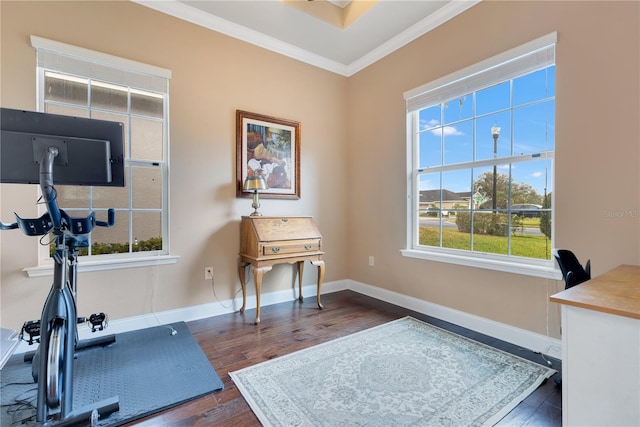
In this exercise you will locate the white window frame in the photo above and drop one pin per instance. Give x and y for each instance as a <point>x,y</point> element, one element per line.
<point>520,60</point>
<point>60,57</point>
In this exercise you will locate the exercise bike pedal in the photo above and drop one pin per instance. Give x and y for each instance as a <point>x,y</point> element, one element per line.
<point>98,321</point>
<point>32,329</point>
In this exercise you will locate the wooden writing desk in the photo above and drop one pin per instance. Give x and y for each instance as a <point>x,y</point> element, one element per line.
<point>601,350</point>
<point>266,241</point>
<point>616,292</point>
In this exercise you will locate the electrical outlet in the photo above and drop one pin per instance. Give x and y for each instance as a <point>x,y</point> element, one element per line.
<point>208,273</point>
<point>371,261</point>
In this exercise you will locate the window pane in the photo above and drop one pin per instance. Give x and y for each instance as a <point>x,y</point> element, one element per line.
<point>494,98</point>
<point>115,117</point>
<point>146,139</point>
<point>428,210</point>
<point>71,196</point>
<point>530,181</point>
<point>485,143</point>
<point>456,189</point>
<point>111,197</point>
<point>456,193</point>
<point>429,118</point>
<point>112,240</point>
<point>109,97</point>
<point>147,231</point>
<point>490,232</point>
<point>534,128</point>
<point>484,182</point>
<point>524,245</point>
<point>429,229</point>
<point>456,230</point>
<point>65,89</point>
<point>534,86</point>
<point>147,104</point>
<point>66,110</point>
<point>430,148</point>
<point>146,185</point>
<point>458,109</point>
<point>458,143</point>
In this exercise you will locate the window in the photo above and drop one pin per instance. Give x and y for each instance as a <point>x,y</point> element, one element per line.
<point>480,158</point>
<point>77,82</point>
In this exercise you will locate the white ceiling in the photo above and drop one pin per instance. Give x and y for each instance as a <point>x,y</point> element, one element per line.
<point>274,25</point>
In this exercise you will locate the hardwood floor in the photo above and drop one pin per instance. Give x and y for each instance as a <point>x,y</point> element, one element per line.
<point>232,342</point>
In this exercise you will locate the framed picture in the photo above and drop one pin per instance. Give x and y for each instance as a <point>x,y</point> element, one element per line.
<point>270,147</point>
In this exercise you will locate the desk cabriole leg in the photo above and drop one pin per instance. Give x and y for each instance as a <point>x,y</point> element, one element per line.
<point>258,273</point>
<point>243,282</point>
<point>300,270</point>
<point>320,265</point>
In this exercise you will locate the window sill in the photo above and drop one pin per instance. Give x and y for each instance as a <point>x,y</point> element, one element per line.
<point>110,264</point>
<point>544,269</point>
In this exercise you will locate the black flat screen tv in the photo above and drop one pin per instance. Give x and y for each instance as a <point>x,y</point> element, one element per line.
<point>90,151</point>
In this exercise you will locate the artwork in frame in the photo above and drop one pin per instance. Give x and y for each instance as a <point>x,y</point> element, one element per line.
<point>271,147</point>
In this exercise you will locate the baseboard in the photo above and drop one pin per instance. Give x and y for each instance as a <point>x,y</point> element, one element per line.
<point>195,312</point>
<point>521,337</point>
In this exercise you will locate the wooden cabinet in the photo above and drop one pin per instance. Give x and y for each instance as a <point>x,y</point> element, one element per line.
<point>266,241</point>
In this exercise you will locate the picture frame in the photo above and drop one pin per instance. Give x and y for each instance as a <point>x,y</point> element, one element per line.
<point>268,146</point>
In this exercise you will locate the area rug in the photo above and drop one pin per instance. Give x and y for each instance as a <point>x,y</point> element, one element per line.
<point>402,373</point>
<point>150,370</point>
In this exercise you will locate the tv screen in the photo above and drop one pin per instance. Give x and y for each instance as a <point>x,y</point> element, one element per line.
<point>90,152</point>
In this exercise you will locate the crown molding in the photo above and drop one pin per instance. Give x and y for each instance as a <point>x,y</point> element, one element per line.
<point>195,16</point>
<point>420,28</point>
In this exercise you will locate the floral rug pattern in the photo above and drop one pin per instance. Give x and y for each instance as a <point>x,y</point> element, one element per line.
<point>402,373</point>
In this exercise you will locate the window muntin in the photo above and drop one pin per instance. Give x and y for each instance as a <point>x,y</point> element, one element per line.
<point>452,159</point>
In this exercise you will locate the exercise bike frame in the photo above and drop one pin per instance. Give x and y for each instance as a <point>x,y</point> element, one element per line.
<point>53,360</point>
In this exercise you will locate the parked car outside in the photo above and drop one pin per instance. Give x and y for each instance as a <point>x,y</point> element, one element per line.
<point>526,210</point>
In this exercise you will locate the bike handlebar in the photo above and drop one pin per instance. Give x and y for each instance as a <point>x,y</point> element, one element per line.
<point>41,226</point>
<point>4,226</point>
<point>111,219</point>
<point>56,218</point>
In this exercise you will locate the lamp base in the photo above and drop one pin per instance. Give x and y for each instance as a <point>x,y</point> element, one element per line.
<point>255,205</point>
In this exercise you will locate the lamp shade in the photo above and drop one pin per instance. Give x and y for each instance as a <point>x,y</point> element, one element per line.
<point>254,183</point>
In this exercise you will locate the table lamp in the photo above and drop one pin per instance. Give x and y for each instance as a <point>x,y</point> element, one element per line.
<point>255,184</point>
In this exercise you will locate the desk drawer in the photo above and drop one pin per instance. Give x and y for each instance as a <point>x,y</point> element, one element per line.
<point>290,247</point>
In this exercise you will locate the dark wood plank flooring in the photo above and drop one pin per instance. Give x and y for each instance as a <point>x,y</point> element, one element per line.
<point>232,342</point>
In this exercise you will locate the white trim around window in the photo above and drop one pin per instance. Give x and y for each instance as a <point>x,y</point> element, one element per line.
<point>532,56</point>
<point>139,78</point>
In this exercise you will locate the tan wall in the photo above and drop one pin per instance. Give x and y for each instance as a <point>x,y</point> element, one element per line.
<point>597,152</point>
<point>212,76</point>
<point>353,130</point>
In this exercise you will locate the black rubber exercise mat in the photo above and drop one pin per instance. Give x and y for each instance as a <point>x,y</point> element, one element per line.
<point>149,370</point>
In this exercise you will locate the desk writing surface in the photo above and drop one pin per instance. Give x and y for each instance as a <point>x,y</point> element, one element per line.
<point>615,292</point>
<point>285,228</point>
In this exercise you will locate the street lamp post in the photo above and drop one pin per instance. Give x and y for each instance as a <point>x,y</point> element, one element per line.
<point>495,132</point>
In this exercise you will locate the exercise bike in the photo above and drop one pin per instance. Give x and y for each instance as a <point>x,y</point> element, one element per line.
<point>52,364</point>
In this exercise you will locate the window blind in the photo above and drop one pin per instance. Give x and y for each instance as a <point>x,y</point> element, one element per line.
<point>526,58</point>
<point>100,66</point>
